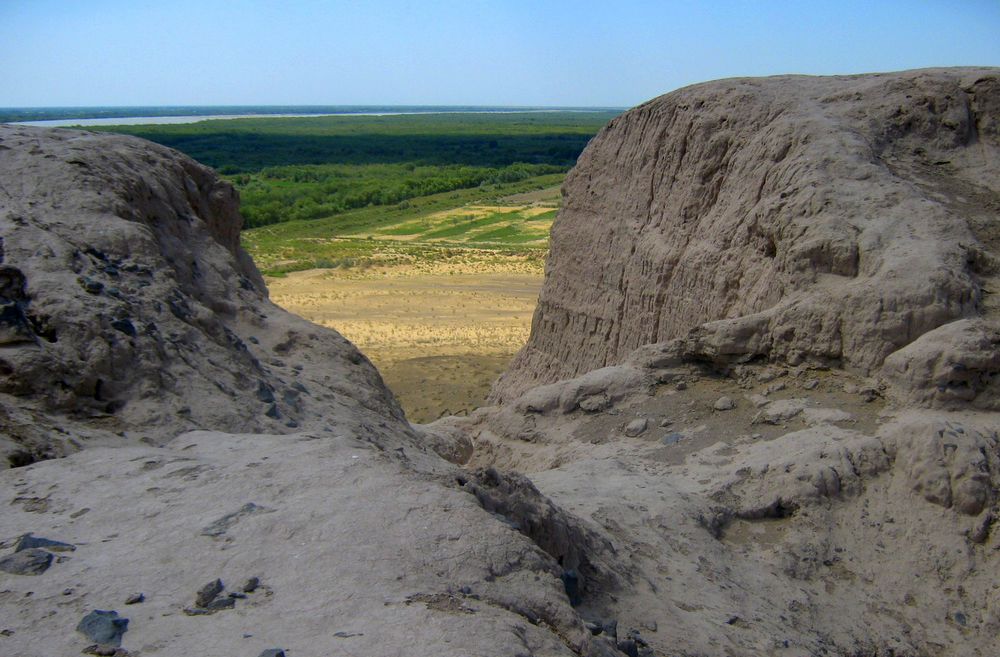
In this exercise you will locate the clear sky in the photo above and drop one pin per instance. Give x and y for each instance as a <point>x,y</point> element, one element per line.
<point>448,52</point>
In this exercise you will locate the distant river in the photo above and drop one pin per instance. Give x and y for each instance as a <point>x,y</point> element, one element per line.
<point>195,118</point>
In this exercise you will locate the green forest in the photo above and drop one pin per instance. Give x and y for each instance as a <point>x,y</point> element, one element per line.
<point>308,168</point>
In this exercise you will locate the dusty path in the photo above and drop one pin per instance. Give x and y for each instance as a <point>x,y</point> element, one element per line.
<point>439,336</point>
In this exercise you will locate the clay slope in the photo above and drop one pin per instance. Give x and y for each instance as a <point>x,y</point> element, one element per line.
<point>128,308</point>
<point>798,219</point>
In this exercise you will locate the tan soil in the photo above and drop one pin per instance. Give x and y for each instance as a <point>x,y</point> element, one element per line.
<point>439,335</point>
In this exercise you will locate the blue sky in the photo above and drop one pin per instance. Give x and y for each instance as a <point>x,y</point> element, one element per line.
<point>478,52</point>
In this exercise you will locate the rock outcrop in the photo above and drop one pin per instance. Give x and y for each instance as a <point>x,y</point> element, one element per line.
<point>826,221</point>
<point>128,308</point>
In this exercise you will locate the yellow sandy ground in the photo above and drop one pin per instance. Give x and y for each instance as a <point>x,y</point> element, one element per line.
<point>439,333</point>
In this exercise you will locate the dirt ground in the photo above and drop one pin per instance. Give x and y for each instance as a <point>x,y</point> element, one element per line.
<point>439,336</point>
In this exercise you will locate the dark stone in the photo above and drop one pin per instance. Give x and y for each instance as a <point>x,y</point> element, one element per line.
<point>221,603</point>
<point>135,599</point>
<point>125,326</point>
<point>27,562</point>
<point>13,284</point>
<point>301,388</point>
<point>635,636</point>
<point>960,618</point>
<point>273,652</point>
<point>629,647</point>
<point>103,627</point>
<point>208,593</point>
<point>593,628</point>
<point>253,340</point>
<point>264,392</point>
<point>611,629</point>
<point>251,585</point>
<point>14,324</point>
<point>273,412</point>
<point>90,285</point>
<point>571,583</point>
<point>96,253</point>
<point>237,595</point>
<point>28,542</point>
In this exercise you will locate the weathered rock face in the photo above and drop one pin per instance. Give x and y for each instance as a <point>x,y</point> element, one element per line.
<point>819,220</point>
<point>128,307</point>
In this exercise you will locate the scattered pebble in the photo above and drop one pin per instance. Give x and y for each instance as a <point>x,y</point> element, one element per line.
<point>251,585</point>
<point>681,385</point>
<point>811,384</point>
<point>135,599</point>
<point>273,652</point>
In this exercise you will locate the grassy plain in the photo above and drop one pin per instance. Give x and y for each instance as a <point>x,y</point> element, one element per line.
<point>439,295</point>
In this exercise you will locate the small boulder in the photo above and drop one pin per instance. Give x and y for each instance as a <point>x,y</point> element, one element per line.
<point>636,427</point>
<point>27,562</point>
<point>208,593</point>
<point>595,403</point>
<point>783,410</point>
<point>103,627</point>
<point>724,404</point>
<point>273,652</point>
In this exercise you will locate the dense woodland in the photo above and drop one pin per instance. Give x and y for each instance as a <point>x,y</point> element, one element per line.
<point>290,169</point>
